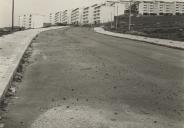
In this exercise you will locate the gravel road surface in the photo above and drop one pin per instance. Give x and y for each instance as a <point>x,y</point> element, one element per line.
<point>81,79</point>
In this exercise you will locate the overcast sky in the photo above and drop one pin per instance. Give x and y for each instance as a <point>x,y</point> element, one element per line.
<point>37,6</point>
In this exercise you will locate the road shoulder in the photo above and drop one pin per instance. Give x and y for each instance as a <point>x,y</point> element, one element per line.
<point>155,41</point>
<point>12,49</point>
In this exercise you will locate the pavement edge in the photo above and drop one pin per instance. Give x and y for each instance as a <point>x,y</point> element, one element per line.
<point>102,31</point>
<point>15,68</point>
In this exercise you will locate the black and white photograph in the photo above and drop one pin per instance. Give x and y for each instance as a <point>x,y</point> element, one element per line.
<point>91,63</point>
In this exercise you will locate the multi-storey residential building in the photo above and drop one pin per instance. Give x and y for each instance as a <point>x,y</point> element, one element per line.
<point>179,7</point>
<point>76,16</point>
<point>148,8</point>
<point>161,7</point>
<point>66,17</point>
<point>92,13</point>
<point>126,3</point>
<point>103,13</point>
<point>52,18</point>
<point>97,17</point>
<point>165,8</point>
<point>58,17</point>
<point>119,8</point>
<point>87,15</point>
<point>22,21</point>
<point>31,21</point>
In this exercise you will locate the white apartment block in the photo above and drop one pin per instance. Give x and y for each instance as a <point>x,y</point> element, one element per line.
<point>31,21</point>
<point>119,8</point>
<point>52,18</point>
<point>93,17</point>
<point>179,7</point>
<point>148,8</point>
<point>126,3</point>
<point>105,12</point>
<point>87,15</point>
<point>76,16</point>
<point>158,7</point>
<point>66,17</point>
<point>58,17</point>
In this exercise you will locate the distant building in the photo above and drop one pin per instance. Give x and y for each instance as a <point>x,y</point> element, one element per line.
<point>31,21</point>
<point>105,12</point>
<point>58,17</point>
<point>87,15</point>
<point>159,7</point>
<point>179,7</point>
<point>52,18</point>
<point>119,8</point>
<point>149,8</point>
<point>76,16</point>
<point>66,17</point>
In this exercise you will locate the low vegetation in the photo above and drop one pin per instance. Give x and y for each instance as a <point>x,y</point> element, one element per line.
<point>166,27</point>
<point>8,30</point>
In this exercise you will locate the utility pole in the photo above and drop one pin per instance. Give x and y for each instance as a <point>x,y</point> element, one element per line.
<point>130,14</point>
<point>12,14</point>
<point>19,21</point>
<point>111,20</point>
<point>117,18</point>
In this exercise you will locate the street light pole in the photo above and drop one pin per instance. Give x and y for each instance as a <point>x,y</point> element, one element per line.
<point>130,18</point>
<point>117,18</point>
<point>12,14</point>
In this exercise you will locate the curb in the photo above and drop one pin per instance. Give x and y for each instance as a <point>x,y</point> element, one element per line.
<point>13,69</point>
<point>102,31</point>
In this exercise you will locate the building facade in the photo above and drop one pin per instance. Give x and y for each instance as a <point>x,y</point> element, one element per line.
<point>103,13</point>
<point>106,11</point>
<point>87,15</point>
<point>158,7</point>
<point>179,7</point>
<point>52,18</point>
<point>31,21</point>
<point>66,17</point>
<point>58,17</point>
<point>76,16</point>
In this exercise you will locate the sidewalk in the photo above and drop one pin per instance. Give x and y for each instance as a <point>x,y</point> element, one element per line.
<point>161,42</point>
<point>12,48</point>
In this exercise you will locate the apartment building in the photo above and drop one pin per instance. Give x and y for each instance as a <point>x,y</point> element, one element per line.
<point>87,15</point>
<point>93,19</point>
<point>126,3</point>
<point>31,21</point>
<point>52,18</point>
<point>102,14</point>
<point>58,17</point>
<point>179,7</point>
<point>165,8</point>
<point>149,8</point>
<point>159,7</point>
<point>21,21</point>
<point>76,16</point>
<point>66,17</point>
<point>119,8</point>
<point>105,12</point>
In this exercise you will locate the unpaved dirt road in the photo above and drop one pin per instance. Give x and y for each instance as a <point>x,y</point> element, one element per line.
<point>80,79</point>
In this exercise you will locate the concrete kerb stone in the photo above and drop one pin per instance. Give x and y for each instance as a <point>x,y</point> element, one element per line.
<point>8,75</point>
<point>155,41</point>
